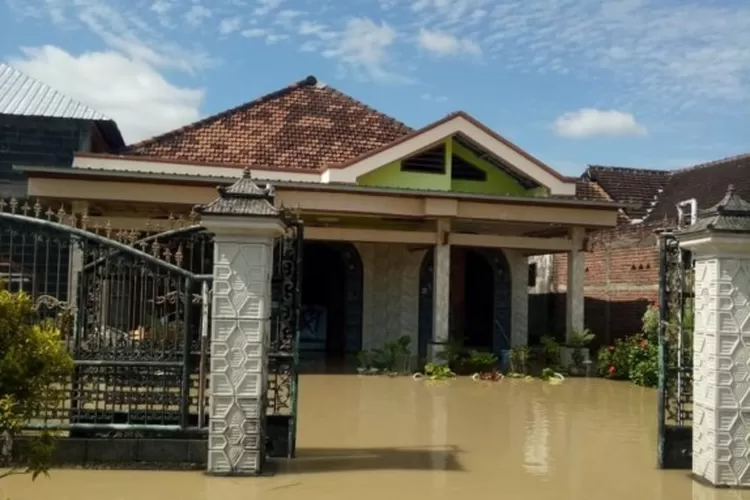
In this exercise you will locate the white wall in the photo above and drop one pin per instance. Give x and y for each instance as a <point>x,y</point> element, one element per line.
<point>390,301</point>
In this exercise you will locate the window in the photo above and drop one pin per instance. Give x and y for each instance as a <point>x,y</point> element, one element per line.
<point>532,274</point>
<point>465,171</point>
<point>431,161</point>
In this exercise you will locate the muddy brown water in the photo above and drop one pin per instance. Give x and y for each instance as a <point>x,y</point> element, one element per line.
<point>394,438</point>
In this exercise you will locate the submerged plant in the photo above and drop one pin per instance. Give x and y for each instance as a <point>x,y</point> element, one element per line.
<point>519,359</point>
<point>437,371</point>
<point>551,351</point>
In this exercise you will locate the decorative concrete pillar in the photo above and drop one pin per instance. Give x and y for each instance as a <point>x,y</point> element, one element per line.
<point>441,289</point>
<point>245,224</point>
<point>575,289</point>
<point>720,242</point>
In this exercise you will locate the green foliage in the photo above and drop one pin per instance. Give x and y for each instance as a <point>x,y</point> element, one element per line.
<point>581,338</point>
<point>452,352</point>
<point>437,371</point>
<point>551,351</point>
<point>519,359</point>
<point>549,374</point>
<point>393,357</point>
<point>33,362</point>
<point>480,361</point>
<point>635,358</point>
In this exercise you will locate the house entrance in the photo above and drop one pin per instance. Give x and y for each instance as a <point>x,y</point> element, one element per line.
<point>479,299</point>
<point>331,315</point>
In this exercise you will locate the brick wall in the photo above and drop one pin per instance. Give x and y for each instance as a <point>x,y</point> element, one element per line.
<point>622,279</point>
<point>28,140</point>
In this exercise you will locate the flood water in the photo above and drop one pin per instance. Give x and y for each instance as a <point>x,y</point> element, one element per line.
<point>381,438</point>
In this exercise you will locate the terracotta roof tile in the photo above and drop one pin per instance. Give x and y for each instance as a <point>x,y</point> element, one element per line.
<point>303,126</point>
<point>633,186</point>
<point>707,183</point>
<point>587,190</point>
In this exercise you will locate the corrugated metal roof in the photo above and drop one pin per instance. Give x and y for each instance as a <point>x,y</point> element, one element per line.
<point>22,95</point>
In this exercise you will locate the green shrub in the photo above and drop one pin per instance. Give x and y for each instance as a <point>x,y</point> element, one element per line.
<point>33,363</point>
<point>551,352</point>
<point>393,357</point>
<point>519,359</point>
<point>480,361</point>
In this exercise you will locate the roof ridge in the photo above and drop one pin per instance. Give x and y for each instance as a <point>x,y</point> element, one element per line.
<point>14,82</point>
<point>309,81</point>
<point>713,163</point>
<point>639,170</point>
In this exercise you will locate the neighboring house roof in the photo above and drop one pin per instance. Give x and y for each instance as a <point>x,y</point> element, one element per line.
<point>304,126</point>
<point>707,183</point>
<point>635,187</point>
<point>22,95</point>
<point>587,190</point>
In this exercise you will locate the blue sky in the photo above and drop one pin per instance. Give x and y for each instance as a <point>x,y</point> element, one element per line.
<point>648,83</point>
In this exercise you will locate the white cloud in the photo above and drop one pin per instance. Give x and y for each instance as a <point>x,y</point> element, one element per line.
<point>266,6</point>
<point>254,33</point>
<point>197,14</point>
<point>307,28</point>
<point>229,25</point>
<point>275,38</point>
<point>133,93</point>
<point>589,122</point>
<point>444,44</point>
<point>363,47</point>
<point>161,6</point>
<point>433,98</point>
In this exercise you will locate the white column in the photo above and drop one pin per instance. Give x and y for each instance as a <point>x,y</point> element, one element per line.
<point>576,277</point>
<point>75,256</point>
<point>721,350</point>
<point>441,289</point>
<point>241,312</point>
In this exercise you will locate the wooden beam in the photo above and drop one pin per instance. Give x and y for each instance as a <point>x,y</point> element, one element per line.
<point>369,235</point>
<point>519,242</point>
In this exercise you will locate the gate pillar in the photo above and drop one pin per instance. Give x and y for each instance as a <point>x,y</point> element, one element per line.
<point>245,223</point>
<point>720,242</point>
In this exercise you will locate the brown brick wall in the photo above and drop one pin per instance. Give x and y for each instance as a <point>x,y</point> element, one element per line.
<point>622,276</point>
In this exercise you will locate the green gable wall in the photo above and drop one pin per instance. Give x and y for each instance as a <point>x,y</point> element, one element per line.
<point>497,182</point>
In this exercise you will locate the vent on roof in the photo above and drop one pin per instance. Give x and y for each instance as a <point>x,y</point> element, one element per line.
<point>431,161</point>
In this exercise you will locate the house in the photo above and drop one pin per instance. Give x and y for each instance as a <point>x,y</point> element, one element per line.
<point>622,263</point>
<point>41,126</point>
<point>419,232</point>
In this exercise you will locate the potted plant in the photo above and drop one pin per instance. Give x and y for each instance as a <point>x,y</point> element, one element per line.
<point>575,355</point>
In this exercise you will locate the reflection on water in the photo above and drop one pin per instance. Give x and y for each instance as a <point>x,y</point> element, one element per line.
<point>375,437</point>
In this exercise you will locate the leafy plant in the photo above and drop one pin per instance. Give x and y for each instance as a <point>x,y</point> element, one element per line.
<point>33,363</point>
<point>577,356</point>
<point>551,351</point>
<point>393,357</point>
<point>437,371</point>
<point>581,338</point>
<point>452,352</point>
<point>364,358</point>
<point>480,361</point>
<point>519,359</point>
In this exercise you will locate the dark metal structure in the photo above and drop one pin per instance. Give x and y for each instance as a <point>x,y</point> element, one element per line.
<point>132,308</point>
<point>675,403</point>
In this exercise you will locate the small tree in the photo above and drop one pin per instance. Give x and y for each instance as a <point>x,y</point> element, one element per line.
<point>33,364</point>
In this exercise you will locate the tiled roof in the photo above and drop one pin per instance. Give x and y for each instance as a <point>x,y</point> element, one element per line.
<point>303,126</point>
<point>587,190</point>
<point>22,95</point>
<point>707,183</point>
<point>632,186</point>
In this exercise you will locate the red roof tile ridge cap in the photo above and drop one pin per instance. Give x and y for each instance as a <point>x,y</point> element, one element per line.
<point>713,163</point>
<point>309,81</point>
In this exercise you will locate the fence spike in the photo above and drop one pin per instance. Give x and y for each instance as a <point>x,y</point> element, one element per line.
<point>168,254</point>
<point>61,214</point>
<point>178,255</point>
<point>25,209</point>
<point>13,205</point>
<point>3,204</point>
<point>108,229</point>
<point>49,213</point>
<point>85,221</point>
<point>37,209</point>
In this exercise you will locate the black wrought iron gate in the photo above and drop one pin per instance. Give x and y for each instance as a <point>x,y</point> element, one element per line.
<point>283,357</point>
<point>136,304</point>
<point>676,313</point>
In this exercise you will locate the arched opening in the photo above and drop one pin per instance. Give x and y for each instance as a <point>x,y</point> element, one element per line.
<point>331,315</point>
<point>480,299</point>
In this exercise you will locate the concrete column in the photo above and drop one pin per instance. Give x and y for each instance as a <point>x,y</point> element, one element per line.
<point>575,288</point>
<point>441,289</point>
<point>721,350</point>
<point>241,313</point>
<point>75,256</point>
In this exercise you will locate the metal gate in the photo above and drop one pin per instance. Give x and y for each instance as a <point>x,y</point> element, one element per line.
<point>283,357</point>
<point>676,310</point>
<point>134,309</point>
